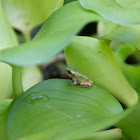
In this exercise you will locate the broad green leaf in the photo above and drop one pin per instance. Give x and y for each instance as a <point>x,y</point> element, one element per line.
<point>105,27</point>
<point>68,1</point>
<point>4,108</point>
<point>31,75</point>
<point>131,123</point>
<point>55,34</point>
<point>7,40</point>
<point>129,3</point>
<point>129,34</point>
<point>24,15</point>
<point>57,111</point>
<point>113,134</point>
<point>7,35</point>
<point>112,11</point>
<point>96,60</point>
<point>132,72</point>
<point>5,81</point>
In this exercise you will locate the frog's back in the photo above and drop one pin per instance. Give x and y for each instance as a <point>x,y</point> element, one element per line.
<point>72,68</point>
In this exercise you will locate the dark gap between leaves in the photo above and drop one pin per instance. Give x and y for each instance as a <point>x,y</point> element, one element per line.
<point>132,60</point>
<point>19,36</point>
<point>89,29</point>
<point>35,31</point>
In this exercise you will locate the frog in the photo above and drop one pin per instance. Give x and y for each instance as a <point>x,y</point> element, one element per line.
<point>78,79</point>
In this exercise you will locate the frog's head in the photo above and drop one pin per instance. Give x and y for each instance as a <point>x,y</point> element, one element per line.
<point>70,71</point>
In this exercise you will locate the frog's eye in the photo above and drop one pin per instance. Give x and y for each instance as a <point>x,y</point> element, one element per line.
<point>69,72</point>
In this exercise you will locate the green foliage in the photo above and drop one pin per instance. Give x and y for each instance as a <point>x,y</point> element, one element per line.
<point>98,62</point>
<point>68,1</point>
<point>24,15</point>
<point>126,34</point>
<point>113,134</point>
<point>30,76</point>
<point>131,124</point>
<point>7,40</point>
<point>131,71</point>
<point>52,109</point>
<point>55,108</point>
<point>52,37</point>
<point>112,11</point>
<point>4,109</point>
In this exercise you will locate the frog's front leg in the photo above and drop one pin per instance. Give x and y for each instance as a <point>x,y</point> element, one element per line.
<point>73,83</point>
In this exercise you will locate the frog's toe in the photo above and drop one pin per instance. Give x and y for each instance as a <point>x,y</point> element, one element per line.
<point>71,83</point>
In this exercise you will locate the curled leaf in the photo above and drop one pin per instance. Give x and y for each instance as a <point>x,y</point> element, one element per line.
<point>55,34</point>
<point>112,11</point>
<point>99,63</point>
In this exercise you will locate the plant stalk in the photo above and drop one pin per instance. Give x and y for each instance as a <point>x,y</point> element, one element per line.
<point>26,35</point>
<point>17,81</point>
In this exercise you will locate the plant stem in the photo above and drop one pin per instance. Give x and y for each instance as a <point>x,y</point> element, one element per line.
<point>17,81</point>
<point>26,35</point>
<point>17,71</point>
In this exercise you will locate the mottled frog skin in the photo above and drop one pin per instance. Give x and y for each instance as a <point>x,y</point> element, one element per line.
<point>78,79</point>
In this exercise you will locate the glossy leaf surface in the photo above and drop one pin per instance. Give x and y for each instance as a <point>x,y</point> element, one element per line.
<point>105,27</point>
<point>111,10</point>
<point>131,71</point>
<point>7,40</point>
<point>52,38</point>
<point>24,15</point>
<point>129,3</point>
<point>98,62</point>
<point>113,134</point>
<point>130,35</point>
<point>31,75</point>
<point>131,123</point>
<point>68,1</point>
<point>55,110</point>
<point>4,108</point>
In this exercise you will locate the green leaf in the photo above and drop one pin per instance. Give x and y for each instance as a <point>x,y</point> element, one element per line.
<point>131,123</point>
<point>113,134</point>
<point>105,27</point>
<point>68,1</point>
<point>112,11</point>
<point>7,40</point>
<point>55,110</point>
<point>55,34</point>
<point>31,75</point>
<point>131,71</point>
<point>5,81</point>
<point>4,109</point>
<point>129,34</point>
<point>129,3</point>
<point>7,35</point>
<point>96,60</point>
<point>24,15</point>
